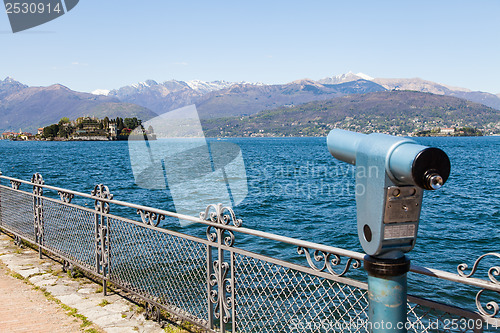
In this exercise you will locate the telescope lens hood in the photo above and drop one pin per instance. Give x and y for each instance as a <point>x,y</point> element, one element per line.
<point>430,161</point>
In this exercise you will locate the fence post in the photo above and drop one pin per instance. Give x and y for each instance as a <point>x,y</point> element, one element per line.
<point>220,273</point>
<point>387,292</point>
<point>37,181</point>
<point>101,232</point>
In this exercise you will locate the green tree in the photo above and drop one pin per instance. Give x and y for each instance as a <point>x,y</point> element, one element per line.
<point>51,131</point>
<point>65,131</point>
<point>64,120</point>
<point>119,124</point>
<point>132,122</point>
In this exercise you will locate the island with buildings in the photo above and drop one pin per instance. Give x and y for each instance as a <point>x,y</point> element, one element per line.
<point>87,129</point>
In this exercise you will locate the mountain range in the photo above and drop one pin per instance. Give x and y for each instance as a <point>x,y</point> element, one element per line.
<point>28,108</point>
<point>222,98</point>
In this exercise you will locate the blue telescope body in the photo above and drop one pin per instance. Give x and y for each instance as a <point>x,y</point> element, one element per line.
<point>391,174</point>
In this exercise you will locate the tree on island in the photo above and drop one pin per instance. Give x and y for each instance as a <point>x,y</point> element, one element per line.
<point>51,131</point>
<point>64,120</point>
<point>132,123</point>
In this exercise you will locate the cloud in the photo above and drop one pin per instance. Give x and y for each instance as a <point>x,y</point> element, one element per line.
<point>181,63</point>
<point>76,63</point>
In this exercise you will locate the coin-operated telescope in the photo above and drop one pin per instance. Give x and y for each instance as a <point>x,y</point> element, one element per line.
<point>391,174</point>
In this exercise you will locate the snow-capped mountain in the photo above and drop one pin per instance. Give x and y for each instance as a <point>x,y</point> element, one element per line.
<point>347,77</point>
<point>206,87</point>
<point>102,92</point>
<point>224,98</point>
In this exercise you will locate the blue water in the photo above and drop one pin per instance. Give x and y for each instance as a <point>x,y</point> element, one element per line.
<point>297,189</point>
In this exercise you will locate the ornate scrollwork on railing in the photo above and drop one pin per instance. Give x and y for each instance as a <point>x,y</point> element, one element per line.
<point>327,261</point>
<point>37,180</point>
<point>491,306</point>
<point>221,215</point>
<point>65,196</point>
<point>150,218</point>
<point>213,236</point>
<point>15,184</point>
<point>222,301</point>
<point>102,251</point>
<point>493,271</point>
<point>101,192</point>
<point>220,284</point>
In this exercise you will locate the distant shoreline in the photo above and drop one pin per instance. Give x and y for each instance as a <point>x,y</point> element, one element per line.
<point>253,137</point>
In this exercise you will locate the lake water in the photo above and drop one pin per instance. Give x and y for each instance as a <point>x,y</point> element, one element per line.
<point>296,188</point>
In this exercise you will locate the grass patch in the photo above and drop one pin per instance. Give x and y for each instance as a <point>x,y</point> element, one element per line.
<point>92,330</point>
<point>104,303</point>
<point>75,274</point>
<point>57,272</point>
<point>172,329</point>
<point>85,321</point>
<point>35,274</point>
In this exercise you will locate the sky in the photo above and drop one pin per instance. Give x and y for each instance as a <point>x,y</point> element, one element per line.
<point>109,44</point>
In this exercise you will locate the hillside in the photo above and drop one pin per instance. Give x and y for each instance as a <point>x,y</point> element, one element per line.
<point>418,84</point>
<point>28,108</point>
<point>395,112</point>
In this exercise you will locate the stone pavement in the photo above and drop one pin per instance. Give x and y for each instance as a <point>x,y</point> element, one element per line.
<point>23,309</point>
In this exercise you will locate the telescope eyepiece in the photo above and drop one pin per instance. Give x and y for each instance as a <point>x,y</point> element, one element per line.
<point>434,181</point>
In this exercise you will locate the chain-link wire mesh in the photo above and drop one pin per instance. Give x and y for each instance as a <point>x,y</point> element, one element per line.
<point>169,270</point>
<point>69,231</point>
<point>17,213</point>
<point>428,319</point>
<point>274,298</point>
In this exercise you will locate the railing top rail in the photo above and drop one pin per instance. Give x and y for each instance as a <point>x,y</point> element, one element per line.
<point>455,278</point>
<point>492,285</point>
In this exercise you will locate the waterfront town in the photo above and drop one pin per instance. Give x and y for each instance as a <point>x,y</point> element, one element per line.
<point>94,129</point>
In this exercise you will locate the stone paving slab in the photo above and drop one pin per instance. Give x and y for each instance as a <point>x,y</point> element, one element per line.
<point>110,314</point>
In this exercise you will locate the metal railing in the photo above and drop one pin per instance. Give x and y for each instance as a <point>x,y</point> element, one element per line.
<point>212,282</point>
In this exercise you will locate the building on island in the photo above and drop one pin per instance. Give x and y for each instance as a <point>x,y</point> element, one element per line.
<point>447,130</point>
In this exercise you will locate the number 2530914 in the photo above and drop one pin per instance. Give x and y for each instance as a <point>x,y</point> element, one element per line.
<point>32,8</point>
